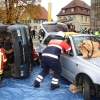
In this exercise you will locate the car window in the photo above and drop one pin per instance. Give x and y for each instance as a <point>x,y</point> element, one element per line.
<point>55,27</point>
<point>69,43</point>
<point>78,39</point>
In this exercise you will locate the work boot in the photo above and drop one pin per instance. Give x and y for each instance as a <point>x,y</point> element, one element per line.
<point>53,87</point>
<point>36,84</point>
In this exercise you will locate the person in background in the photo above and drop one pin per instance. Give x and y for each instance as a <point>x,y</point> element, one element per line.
<point>50,60</point>
<point>90,31</point>
<point>3,61</point>
<point>33,33</point>
<point>41,35</point>
<point>97,32</point>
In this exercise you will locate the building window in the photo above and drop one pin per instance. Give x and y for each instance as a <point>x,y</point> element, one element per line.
<point>35,21</point>
<point>23,21</point>
<point>65,18</point>
<point>88,11</point>
<point>43,21</point>
<point>35,27</point>
<point>29,21</point>
<point>26,21</point>
<point>89,19</point>
<point>72,9</point>
<point>81,18</point>
<point>86,19</point>
<point>38,21</point>
<point>59,17</point>
<point>63,11</point>
<point>82,9</point>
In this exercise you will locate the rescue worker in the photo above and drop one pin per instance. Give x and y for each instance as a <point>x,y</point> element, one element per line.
<point>84,31</point>
<point>50,60</point>
<point>41,35</point>
<point>90,31</point>
<point>3,60</point>
<point>8,46</point>
<point>97,32</point>
<point>35,57</point>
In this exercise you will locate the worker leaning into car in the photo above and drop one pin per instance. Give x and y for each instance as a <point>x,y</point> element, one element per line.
<point>3,60</point>
<point>50,60</point>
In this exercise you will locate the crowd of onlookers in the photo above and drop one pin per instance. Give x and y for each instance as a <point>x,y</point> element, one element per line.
<point>90,31</point>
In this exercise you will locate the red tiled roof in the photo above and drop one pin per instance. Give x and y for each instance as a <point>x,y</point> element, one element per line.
<point>75,4</point>
<point>44,14</point>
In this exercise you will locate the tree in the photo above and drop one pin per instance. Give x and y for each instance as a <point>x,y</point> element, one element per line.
<point>14,10</point>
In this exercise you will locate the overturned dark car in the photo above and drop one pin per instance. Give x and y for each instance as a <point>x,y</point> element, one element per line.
<point>18,46</point>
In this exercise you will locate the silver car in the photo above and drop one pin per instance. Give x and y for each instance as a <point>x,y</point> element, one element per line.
<point>85,72</point>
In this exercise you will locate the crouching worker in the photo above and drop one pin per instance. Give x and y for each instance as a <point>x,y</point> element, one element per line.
<point>50,60</point>
<point>35,57</point>
<point>3,60</point>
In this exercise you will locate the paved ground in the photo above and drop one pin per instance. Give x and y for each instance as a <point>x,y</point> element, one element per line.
<point>36,41</point>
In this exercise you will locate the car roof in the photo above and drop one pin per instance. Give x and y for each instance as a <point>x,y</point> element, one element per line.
<point>73,34</point>
<point>52,23</point>
<point>82,35</point>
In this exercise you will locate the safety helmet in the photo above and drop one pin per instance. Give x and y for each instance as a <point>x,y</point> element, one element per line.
<point>60,33</point>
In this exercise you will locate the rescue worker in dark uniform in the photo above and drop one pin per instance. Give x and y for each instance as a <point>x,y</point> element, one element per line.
<point>50,60</point>
<point>9,50</point>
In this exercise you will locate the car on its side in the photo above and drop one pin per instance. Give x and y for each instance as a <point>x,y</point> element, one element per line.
<point>22,46</point>
<point>85,72</point>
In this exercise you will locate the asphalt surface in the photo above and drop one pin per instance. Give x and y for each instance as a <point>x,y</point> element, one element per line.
<point>36,41</point>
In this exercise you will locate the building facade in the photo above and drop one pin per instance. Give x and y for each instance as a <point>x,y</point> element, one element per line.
<point>35,23</point>
<point>80,10</point>
<point>95,14</point>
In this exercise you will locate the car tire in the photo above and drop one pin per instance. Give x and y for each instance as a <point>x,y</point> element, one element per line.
<point>86,88</point>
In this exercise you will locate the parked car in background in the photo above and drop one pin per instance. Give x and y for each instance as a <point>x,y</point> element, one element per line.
<point>53,27</point>
<point>85,72</point>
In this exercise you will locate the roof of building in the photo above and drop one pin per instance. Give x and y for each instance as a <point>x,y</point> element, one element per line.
<point>44,14</point>
<point>73,4</point>
<point>77,3</point>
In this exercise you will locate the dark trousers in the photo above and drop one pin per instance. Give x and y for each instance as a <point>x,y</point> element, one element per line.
<point>53,64</point>
<point>0,78</point>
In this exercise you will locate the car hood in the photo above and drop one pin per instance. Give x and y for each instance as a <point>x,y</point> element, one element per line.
<point>95,61</point>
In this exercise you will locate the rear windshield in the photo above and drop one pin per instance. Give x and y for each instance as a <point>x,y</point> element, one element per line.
<point>55,27</point>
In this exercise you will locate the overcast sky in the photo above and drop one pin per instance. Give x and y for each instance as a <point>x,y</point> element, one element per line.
<point>57,5</point>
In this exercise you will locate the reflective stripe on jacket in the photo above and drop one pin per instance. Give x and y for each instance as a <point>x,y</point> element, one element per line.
<point>55,48</point>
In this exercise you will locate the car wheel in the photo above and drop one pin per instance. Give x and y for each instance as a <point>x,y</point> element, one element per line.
<point>86,88</point>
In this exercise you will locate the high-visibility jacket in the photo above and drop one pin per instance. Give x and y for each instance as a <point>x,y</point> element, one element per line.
<point>35,56</point>
<point>55,48</point>
<point>97,33</point>
<point>3,59</point>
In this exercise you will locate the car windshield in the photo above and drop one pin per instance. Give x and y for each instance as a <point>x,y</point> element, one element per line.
<point>55,27</point>
<point>78,39</point>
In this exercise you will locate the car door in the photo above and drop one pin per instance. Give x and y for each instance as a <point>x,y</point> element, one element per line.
<point>68,64</point>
